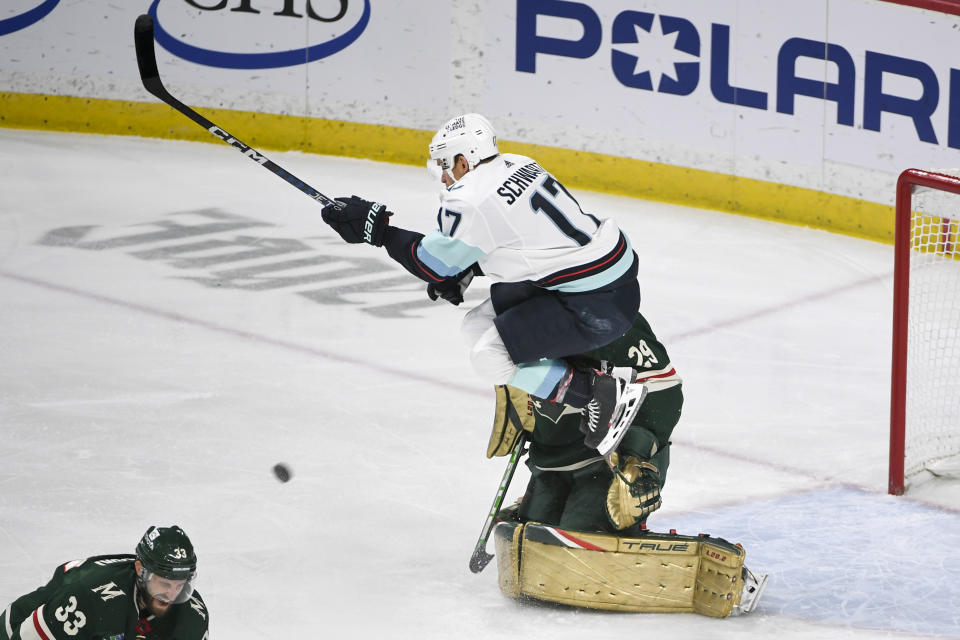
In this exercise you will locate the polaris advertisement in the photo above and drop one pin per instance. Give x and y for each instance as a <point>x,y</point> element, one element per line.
<point>798,93</point>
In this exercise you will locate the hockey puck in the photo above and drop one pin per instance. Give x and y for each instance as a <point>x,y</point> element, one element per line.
<point>282,472</point>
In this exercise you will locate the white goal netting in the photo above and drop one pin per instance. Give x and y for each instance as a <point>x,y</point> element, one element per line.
<point>932,430</point>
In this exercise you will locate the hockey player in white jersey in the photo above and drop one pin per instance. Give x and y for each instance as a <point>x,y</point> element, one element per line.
<point>564,281</point>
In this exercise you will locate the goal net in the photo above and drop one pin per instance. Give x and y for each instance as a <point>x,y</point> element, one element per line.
<point>925,395</point>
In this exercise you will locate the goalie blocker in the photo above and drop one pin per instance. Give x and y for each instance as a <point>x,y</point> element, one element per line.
<point>654,573</point>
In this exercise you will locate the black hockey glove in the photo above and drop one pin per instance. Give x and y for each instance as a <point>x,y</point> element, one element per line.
<point>358,221</point>
<point>452,289</point>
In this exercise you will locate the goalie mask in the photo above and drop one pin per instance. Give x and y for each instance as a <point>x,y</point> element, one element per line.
<point>169,564</point>
<point>470,135</point>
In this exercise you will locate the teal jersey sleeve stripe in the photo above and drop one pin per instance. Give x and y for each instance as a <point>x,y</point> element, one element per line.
<point>539,379</point>
<point>446,256</point>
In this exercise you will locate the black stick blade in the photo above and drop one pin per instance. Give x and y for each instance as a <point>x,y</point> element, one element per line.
<point>479,560</point>
<point>146,56</point>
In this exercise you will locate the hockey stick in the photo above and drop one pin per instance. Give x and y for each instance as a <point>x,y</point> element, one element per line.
<point>147,61</point>
<point>480,558</point>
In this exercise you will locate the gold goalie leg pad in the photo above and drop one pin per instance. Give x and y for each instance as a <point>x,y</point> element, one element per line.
<point>506,540</point>
<point>656,573</point>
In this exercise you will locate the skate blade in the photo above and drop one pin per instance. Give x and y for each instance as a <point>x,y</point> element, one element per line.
<point>634,395</point>
<point>753,586</point>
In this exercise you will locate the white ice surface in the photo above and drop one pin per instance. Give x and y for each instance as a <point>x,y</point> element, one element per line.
<point>144,381</point>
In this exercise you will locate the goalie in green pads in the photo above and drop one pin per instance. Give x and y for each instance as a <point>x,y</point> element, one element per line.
<point>578,536</point>
<point>570,485</point>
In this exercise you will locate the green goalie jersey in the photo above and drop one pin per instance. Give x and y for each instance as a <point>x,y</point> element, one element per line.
<point>96,599</point>
<point>557,442</point>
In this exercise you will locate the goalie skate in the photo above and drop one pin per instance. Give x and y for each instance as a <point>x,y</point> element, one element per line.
<point>753,586</point>
<point>631,396</point>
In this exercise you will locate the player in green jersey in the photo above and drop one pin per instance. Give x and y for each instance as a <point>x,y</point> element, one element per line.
<point>148,595</point>
<point>570,485</point>
<point>578,536</point>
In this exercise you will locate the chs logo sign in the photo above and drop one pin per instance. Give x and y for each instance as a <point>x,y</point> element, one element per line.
<point>881,70</point>
<point>34,12</point>
<point>256,34</point>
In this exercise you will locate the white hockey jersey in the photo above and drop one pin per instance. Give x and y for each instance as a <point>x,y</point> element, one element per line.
<point>520,224</point>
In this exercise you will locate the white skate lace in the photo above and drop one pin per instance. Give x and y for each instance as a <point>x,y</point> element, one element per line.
<point>593,415</point>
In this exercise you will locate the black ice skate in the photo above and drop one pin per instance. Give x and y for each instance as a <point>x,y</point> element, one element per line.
<point>609,413</point>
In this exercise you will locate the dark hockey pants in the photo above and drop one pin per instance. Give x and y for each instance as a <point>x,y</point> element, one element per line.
<point>537,323</point>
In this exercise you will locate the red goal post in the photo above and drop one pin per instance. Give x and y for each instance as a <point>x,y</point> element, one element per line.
<point>925,416</point>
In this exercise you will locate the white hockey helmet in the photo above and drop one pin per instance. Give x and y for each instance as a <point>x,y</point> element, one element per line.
<point>471,135</point>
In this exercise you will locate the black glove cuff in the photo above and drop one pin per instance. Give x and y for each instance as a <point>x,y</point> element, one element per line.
<point>375,226</point>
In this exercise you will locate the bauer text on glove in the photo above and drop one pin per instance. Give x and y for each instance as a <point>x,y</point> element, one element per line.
<point>358,220</point>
